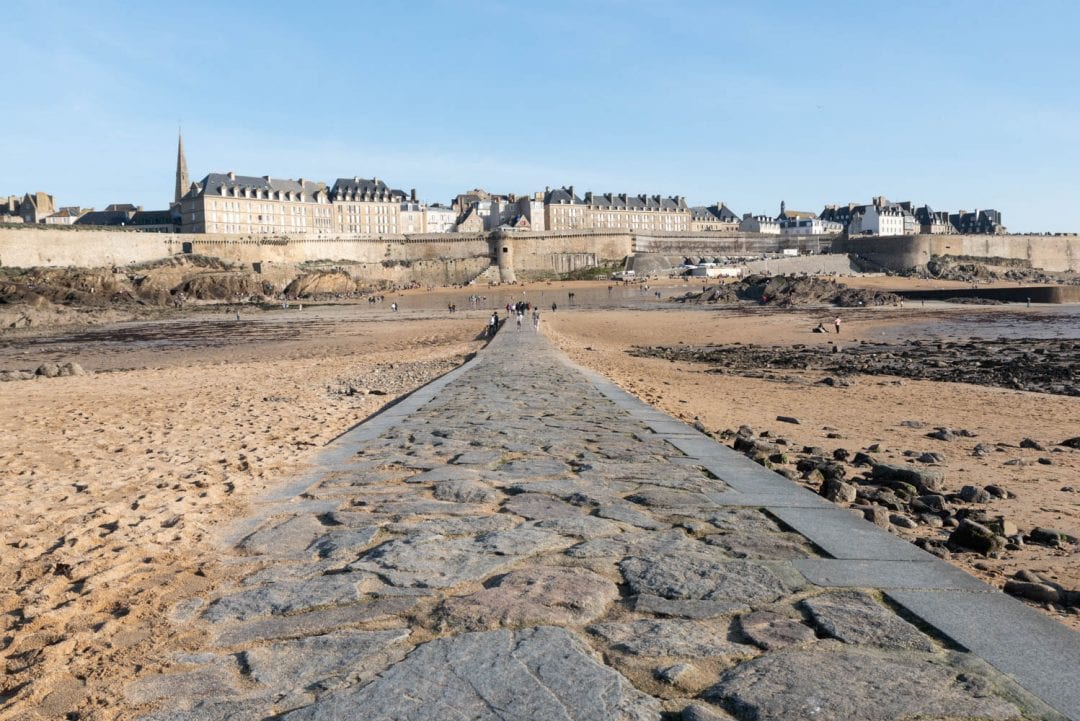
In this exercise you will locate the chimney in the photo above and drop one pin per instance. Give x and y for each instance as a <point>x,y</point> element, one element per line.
<point>571,193</point>
<point>232,175</point>
<point>301,181</point>
<point>412,195</point>
<point>266,178</point>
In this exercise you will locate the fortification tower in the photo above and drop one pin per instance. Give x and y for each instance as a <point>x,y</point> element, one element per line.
<point>182,180</point>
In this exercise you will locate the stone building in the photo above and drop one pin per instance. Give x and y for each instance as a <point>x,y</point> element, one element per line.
<point>564,210</point>
<point>30,208</point>
<point>250,205</point>
<point>66,215</point>
<point>708,218</point>
<point>933,222</point>
<point>977,222</point>
<point>439,219</point>
<point>511,209</point>
<point>363,206</point>
<point>763,224</point>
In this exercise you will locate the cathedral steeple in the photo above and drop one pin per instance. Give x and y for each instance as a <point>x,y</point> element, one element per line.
<point>182,180</point>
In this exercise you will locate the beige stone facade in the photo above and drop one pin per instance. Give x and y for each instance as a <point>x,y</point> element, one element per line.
<point>564,210</point>
<point>247,205</point>
<point>366,207</point>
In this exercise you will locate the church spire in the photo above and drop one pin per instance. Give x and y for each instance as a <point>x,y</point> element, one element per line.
<point>182,181</point>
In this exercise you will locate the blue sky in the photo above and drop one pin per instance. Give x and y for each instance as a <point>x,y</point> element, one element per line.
<point>956,104</point>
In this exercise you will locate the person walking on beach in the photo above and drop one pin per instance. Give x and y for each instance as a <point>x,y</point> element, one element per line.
<point>518,316</point>
<point>493,324</point>
<point>837,324</point>
<point>553,306</point>
<point>536,321</point>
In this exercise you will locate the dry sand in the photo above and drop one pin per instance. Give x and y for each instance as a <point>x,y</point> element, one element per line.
<point>115,482</point>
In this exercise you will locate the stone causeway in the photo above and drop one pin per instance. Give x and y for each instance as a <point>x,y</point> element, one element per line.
<point>521,539</point>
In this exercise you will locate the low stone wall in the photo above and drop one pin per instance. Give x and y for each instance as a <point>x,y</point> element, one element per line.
<point>1054,253</point>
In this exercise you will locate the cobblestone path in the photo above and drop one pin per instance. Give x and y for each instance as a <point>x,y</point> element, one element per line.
<point>523,540</point>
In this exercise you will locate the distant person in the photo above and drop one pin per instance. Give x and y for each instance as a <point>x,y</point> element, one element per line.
<point>821,328</point>
<point>518,317</point>
<point>837,324</point>
<point>553,307</point>
<point>393,306</point>
<point>493,324</point>
<point>536,320</point>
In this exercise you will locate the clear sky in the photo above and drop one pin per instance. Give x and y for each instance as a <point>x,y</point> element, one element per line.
<point>966,104</point>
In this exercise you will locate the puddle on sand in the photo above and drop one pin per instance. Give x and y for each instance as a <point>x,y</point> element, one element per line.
<point>1060,322</point>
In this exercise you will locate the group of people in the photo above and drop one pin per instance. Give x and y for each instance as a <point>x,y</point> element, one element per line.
<point>822,329</point>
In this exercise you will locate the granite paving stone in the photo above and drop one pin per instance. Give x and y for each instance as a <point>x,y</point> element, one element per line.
<point>857,619</point>
<point>533,597</point>
<point>523,540</point>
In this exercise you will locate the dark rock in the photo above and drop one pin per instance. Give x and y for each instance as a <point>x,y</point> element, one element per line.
<point>997,491</point>
<point>926,480</point>
<point>976,537</point>
<point>902,521</point>
<point>932,503</point>
<point>841,454</point>
<point>1071,442</point>
<point>913,424</point>
<point>838,491</point>
<point>1032,443</point>
<point>935,458</point>
<point>974,494</point>
<point>1049,536</point>
<point>1039,592</point>
<point>788,419</point>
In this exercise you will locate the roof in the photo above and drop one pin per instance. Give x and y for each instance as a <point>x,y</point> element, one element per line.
<point>793,214</point>
<point>623,201</point>
<point>105,217</point>
<point>153,217</point>
<point>215,182</point>
<point>558,196</point>
<point>371,187</point>
<point>713,213</point>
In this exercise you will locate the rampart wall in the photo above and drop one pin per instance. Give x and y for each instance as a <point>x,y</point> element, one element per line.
<point>1048,252</point>
<point>455,258</point>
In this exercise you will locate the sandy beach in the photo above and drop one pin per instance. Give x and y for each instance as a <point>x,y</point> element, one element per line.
<point>115,481</point>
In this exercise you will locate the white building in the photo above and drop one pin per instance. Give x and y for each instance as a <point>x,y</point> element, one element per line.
<point>810,226</point>
<point>439,219</point>
<point>764,224</point>
<point>879,218</point>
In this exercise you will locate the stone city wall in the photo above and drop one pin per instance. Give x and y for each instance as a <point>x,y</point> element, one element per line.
<point>1053,253</point>
<point>726,243</point>
<point>53,246</point>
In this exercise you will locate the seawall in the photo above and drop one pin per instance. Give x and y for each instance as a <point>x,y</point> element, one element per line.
<point>1048,252</point>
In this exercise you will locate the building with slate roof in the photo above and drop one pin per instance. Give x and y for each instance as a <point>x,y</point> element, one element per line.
<point>114,216</point>
<point>251,205</point>
<point>155,221</point>
<point>564,210</point>
<point>705,218</point>
<point>365,206</point>
<point>933,222</point>
<point>763,224</point>
<point>66,215</point>
<point>980,222</point>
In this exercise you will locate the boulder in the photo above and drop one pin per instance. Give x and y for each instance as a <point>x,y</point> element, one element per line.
<point>976,537</point>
